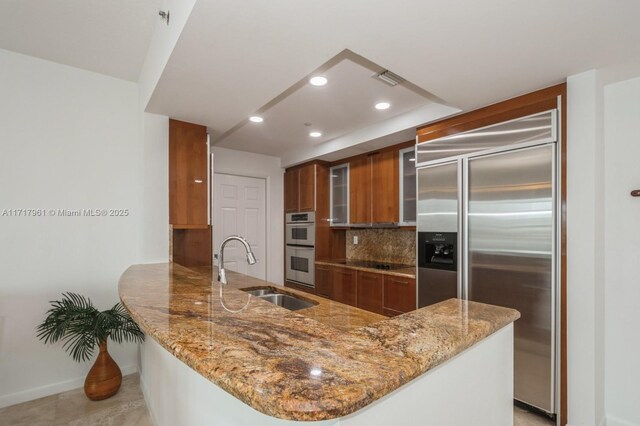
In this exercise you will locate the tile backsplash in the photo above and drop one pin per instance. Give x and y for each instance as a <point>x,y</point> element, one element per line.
<point>382,245</point>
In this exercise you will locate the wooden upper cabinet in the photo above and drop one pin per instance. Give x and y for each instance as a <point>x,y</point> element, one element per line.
<point>307,188</point>
<point>374,188</point>
<point>360,190</point>
<point>299,189</point>
<point>291,192</point>
<point>188,174</point>
<point>385,187</point>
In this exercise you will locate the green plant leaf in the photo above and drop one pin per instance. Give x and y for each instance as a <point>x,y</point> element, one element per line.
<point>80,326</point>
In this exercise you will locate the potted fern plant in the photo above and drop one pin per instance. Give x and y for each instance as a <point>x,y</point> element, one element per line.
<point>80,326</point>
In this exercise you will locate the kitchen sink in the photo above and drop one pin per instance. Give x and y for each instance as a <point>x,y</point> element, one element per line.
<point>260,292</point>
<point>286,301</point>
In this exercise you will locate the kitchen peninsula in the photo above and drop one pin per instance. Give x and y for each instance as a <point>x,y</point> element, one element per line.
<point>451,363</point>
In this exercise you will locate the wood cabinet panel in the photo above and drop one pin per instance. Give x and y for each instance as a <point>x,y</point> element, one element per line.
<point>532,103</point>
<point>291,191</point>
<point>324,234</point>
<point>307,188</point>
<point>188,174</point>
<point>385,185</point>
<point>300,189</point>
<point>360,190</point>
<point>344,282</point>
<point>391,313</point>
<point>323,281</point>
<point>370,291</point>
<point>399,294</point>
<point>374,188</point>
<point>192,247</point>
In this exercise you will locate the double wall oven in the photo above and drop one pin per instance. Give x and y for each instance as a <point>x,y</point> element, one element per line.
<point>300,251</point>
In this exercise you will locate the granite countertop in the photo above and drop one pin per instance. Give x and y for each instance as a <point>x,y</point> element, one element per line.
<point>407,271</point>
<point>313,364</point>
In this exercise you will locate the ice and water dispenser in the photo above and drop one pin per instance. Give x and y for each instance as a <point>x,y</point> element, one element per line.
<point>438,250</point>
<point>438,265</point>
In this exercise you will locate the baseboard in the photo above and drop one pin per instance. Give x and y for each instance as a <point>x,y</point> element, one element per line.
<point>152,414</point>
<point>52,389</point>
<point>617,421</point>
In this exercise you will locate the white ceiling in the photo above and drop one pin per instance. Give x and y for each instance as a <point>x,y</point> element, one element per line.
<point>106,36</point>
<point>231,61</point>
<point>343,105</point>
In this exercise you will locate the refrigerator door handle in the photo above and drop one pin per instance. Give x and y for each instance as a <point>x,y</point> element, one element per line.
<point>462,245</point>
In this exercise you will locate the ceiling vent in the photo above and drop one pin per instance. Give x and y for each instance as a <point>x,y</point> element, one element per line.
<point>388,77</point>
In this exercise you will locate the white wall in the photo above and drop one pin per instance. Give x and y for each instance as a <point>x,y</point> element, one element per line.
<point>585,232</point>
<point>155,225</point>
<point>622,253</point>
<point>262,166</point>
<point>603,251</point>
<point>163,41</point>
<point>69,139</point>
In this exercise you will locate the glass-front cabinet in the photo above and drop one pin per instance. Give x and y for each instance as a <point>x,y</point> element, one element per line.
<point>407,191</point>
<point>339,197</point>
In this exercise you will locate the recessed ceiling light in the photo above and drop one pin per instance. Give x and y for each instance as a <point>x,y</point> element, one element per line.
<point>383,105</point>
<point>256,119</point>
<point>318,81</point>
<point>315,134</point>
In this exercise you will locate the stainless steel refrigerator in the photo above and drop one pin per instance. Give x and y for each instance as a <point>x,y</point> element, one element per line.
<point>488,232</point>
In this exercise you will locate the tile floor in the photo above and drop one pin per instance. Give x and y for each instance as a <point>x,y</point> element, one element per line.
<point>127,408</point>
<point>525,418</point>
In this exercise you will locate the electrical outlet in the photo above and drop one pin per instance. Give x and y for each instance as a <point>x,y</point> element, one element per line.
<point>355,239</point>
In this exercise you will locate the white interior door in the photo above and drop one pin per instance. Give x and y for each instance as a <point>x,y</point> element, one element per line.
<point>239,209</point>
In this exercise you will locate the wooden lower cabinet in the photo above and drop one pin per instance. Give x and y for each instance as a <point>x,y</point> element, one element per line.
<point>374,292</point>
<point>399,295</point>
<point>300,287</point>
<point>323,281</point>
<point>370,291</point>
<point>344,285</point>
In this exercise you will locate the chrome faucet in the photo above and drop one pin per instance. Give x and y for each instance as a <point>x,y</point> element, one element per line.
<point>251,259</point>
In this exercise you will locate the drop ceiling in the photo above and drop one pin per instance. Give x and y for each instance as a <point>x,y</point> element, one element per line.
<point>346,103</point>
<point>231,61</point>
